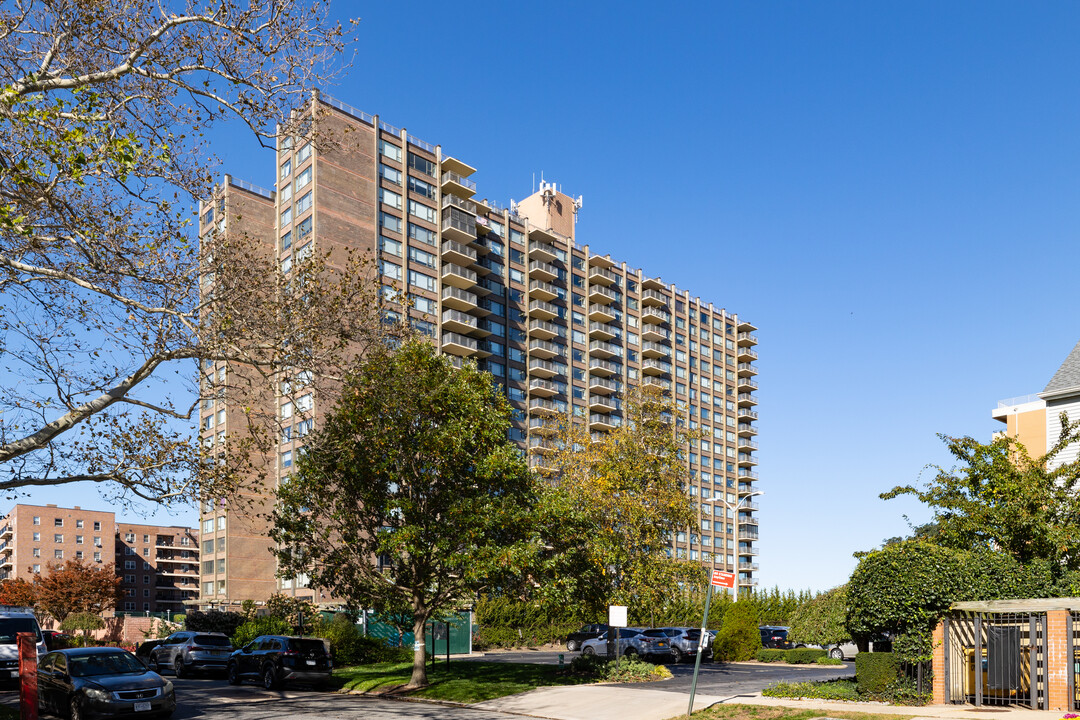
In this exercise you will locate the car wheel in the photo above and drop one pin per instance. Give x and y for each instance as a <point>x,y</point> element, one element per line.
<point>178,668</point>
<point>630,652</point>
<point>75,708</point>
<point>270,678</point>
<point>676,655</point>
<point>573,645</point>
<point>588,651</point>
<point>234,674</point>
<point>836,653</point>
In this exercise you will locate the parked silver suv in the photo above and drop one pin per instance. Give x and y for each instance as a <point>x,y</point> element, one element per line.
<point>185,652</point>
<point>648,644</point>
<point>684,643</point>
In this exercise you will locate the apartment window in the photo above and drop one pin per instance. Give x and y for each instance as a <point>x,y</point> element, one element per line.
<point>391,151</point>
<point>78,523</point>
<point>304,403</point>
<point>129,564</point>
<point>421,211</point>
<point>303,204</point>
<point>97,541</point>
<point>37,552</point>
<point>129,551</point>
<point>37,569</point>
<point>390,174</point>
<point>97,526</point>
<point>421,280</point>
<point>422,258</point>
<point>390,270</point>
<point>303,153</point>
<point>208,588</point>
<point>517,276</point>
<point>286,169</point>
<point>208,567</point>
<point>208,546</point>
<point>97,557</point>
<point>421,188</point>
<point>389,222</point>
<point>37,537</point>
<point>208,525</point>
<point>389,197</point>
<point>146,552</point>
<point>221,544</point>
<point>303,179</point>
<point>57,538</point>
<point>221,565</point>
<point>423,304</point>
<point>78,539</point>
<point>424,235</point>
<point>286,459</point>
<point>418,163</point>
<point>285,195</point>
<point>58,522</point>
<point>37,519</point>
<point>221,522</point>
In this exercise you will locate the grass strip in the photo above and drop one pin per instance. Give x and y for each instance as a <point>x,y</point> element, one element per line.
<point>774,712</point>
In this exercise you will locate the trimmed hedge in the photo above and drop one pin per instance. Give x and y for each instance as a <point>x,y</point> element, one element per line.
<point>803,656</point>
<point>875,672</point>
<point>827,690</point>
<point>766,655</point>
<point>826,660</point>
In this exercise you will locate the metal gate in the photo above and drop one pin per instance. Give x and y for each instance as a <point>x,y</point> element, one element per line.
<point>996,659</point>
<point>1074,657</point>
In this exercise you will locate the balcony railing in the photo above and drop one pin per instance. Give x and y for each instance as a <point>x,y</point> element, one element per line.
<point>454,201</point>
<point>652,297</point>
<point>543,290</point>
<point>448,177</point>
<point>543,269</point>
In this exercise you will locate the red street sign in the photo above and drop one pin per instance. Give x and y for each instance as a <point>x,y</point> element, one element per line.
<point>723,579</point>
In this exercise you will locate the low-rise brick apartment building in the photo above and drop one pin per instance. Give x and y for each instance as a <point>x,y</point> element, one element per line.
<point>560,325</point>
<point>158,565</point>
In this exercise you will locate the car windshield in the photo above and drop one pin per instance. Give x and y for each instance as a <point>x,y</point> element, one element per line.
<point>117,663</point>
<point>212,640</point>
<point>10,626</point>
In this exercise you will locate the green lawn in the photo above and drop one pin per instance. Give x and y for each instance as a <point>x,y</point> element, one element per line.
<point>769,712</point>
<point>465,682</point>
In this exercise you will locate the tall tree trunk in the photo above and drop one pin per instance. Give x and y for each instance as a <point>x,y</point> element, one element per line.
<point>419,665</point>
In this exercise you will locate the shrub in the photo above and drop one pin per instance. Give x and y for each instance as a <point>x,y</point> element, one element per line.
<point>252,629</point>
<point>766,655</point>
<point>213,621</point>
<point>827,690</point>
<point>628,670</point>
<point>803,656</point>
<point>876,671</point>
<point>739,638</point>
<point>826,660</point>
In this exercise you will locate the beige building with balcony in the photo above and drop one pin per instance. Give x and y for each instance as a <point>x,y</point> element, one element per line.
<point>561,325</point>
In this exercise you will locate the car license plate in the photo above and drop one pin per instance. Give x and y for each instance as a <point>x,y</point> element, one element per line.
<point>310,662</point>
<point>663,644</point>
<point>142,707</point>
<point>14,673</point>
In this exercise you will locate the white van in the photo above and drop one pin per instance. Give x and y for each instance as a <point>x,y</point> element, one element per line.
<point>14,620</point>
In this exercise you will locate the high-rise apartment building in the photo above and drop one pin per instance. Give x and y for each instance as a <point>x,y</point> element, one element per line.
<point>1035,420</point>
<point>562,327</point>
<point>158,565</point>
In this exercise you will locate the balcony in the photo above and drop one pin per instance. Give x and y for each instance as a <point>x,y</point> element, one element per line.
<point>602,403</point>
<point>748,533</point>
<point>539,387</point>
<point>457,344</point>
<point>748,566</point>
<point>541,445</point>
<point>748,551</point>
<point>603,276</point>
<point>540,406</point>
<point>454,183</point>
<point>745,488</point>
<point>599,385</point>
<point>6,547</point>
<point>6,532</point>
<point>542,426</point>
<point>653,298</point>
<point>745,326</point>
<point>543,291</point>
<point>539,250</point>
<point>541,464</point>
<point>599,348</point>
<point>458,299</point>
<point>745,413</point>
<point>597,437</point>
<point>654,333</point>
<point>544,368</point>
<point>458,276</point>
<point>747,582</point>
<point>459,226</point>
<point>654,381</point>
<point>655,367</point>
<point>458,253</point>
<point>545,349</point>
<point>450,201</point>
<point>652,284</point>
<point>601,331</point>
<point>540,270</point>
<point>601,294</point>
<point>746,429</point>
<point>747,399</point>
<point>745,474</point>
<point>654,350</point>
<point>745,354</point>
<point>457,321</point>
<point>747,460</point>
<point>745,339</point>
<point>747,369</point>
<point>600,421</point>
<point>601,313</point>
<point>746,384</point>
<point>602,367</point>
<point>544,235</point>
<point>543,329</point>
<point>7,562</point>
<point>655,315</point>
<point>543,310</point>
<point>746,445</point>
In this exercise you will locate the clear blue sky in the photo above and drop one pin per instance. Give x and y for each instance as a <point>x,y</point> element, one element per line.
<point>888,190</point>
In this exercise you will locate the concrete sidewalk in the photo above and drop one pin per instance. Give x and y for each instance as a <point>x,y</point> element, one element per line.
<point>610,702</point>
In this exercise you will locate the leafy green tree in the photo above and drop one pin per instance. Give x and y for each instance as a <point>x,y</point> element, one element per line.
<point>1000,498</point>
<point>822,620</point>
<point>87,622</point>
<point>611,507</point>
<point>739,638</point>
<point>411,494</point>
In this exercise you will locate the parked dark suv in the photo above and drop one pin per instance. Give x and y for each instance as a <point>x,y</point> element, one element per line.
<point>277,659</point>
<point>775,637</point>
<point>186,651</point>
<point>588,632</point>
